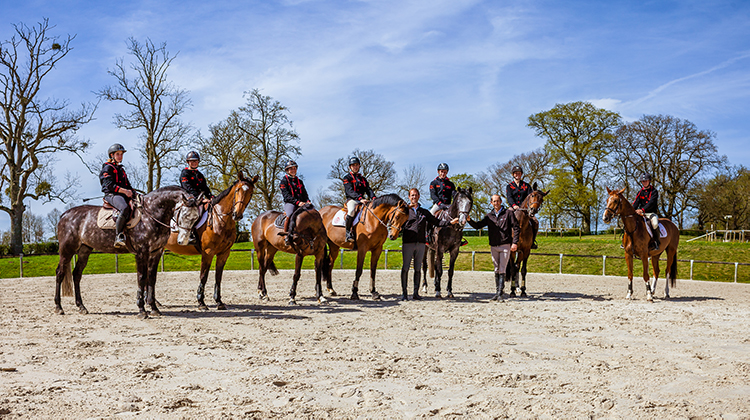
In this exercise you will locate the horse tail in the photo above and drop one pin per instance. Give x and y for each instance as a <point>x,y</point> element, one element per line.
<point>673,271</point>
<point>326,264</point>
<point>67,273</point>
<point>272,268</point>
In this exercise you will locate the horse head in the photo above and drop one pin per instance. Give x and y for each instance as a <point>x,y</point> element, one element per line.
<point>462,203</point>
<point>614,204</point>
<point>186,214</point>
<point>535,200</point>
<point>242,193</point>
<point>394,213</point>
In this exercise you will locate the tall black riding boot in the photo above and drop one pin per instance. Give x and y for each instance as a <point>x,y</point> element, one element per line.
<point>657,242</point>
<point>349,232</point>
<point>122,221</point>
<point>499,283</point>
<point>287,241</point>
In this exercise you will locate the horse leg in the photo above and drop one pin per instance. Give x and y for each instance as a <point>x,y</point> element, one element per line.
<point>62,271</point>
<point>221,261</point>
<point>438,272</point>
<point>644,260</point>
<point>153,267</point>
<point>451,266</point>
<point>205,269</point>
<point>358,273</point>
<point>295,278</point>
<point>333,252</point>
<point>523,276</point>
<point>655,265</point>
<point>141,263</point>
<point>318,277</point>
<point>427,264</point>
<point>83,259</point>
<point>374,258</point>
<point>629,261</point>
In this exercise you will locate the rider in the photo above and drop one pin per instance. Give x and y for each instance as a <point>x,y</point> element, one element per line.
<point>295,195</point>
<point>503,232</point>
<point>645,205</point>
<point>193,181</point>
<point>441,189</point>
<point>413,246</point>
<point>357,191</point>
<point>516,192</point>
<point>117,189</point>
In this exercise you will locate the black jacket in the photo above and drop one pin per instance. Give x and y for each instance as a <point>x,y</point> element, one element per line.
<point>515,194</point>
<point>441,191</point>
<point>113,178</point>
<point>414,228</point>
<point>647,200</point>
<point>357,187</point>
<point>502,229</point>
<point>293,190</point>
<point>193,181</point>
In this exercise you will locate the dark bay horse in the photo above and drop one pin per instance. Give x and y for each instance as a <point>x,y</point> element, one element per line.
<point>309,238</point>
<point>447,239</point>
<point>387,212</point>
<point>518,259</point>
<point>216,236</point>
<point>79,234</point>
<point>636,241</point>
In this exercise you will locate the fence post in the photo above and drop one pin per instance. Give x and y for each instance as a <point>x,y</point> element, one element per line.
<point>162,261</point>
<point>20,259</point>
<point>604,265</point>
<point>252,259</point>
<point>735,271</point>
<point>473,257</point>
<point>385,266</point>
<point>117,263</point>
<point>691,269</point>
<point>579,233</point>
<point>341,260</point>
<point>561,255</point>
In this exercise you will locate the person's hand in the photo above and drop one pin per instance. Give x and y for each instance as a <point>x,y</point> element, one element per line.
<point>515,207</point>
<point>129,193</point>
<point>205,201</point>
<point>514,248</point>
<point>639,212</point>
<point>454,221</point>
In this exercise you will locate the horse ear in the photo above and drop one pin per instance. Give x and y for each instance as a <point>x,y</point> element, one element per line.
<point>455,192</point>
<point>471,191</point>
<point>255,179</point>
<point>621,191</point>
<point>240,176</point>
<point>545,192</point>
<point>533,187</point>
<point>608,190</point>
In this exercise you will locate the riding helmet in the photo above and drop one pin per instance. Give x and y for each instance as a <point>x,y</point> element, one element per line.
<point>646,177</point>
<point>193,156</point>
<point>290,164</point>
<point>442,166</point>
<point>517,168</point>
<point>354,161</point>
<point>117,147</point>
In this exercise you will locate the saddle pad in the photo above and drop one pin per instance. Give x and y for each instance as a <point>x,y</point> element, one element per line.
<point>339,219</point>
<point>105,220</point>
<point>201,222</point>
<point>279,222</point>
<point>662,231</point>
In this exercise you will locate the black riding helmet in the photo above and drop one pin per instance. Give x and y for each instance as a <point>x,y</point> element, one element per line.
<point>117,147</point>
<point>192,156</point>
<point>442,166</point>
<point>516,168</point>
<point>646,177</point>
<point>290,164</point>
<point>354,161</point>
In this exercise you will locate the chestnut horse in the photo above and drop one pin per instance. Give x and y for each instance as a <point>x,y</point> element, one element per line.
<point>309,238</point>
<point>371,233</point>
<point>80,235</point>
<point>217,235</point>
<point>518,259</point>
<point>636,241</point>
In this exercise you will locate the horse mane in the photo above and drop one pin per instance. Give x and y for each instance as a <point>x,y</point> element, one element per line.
<point>223,194</point>
<point>388,199</point>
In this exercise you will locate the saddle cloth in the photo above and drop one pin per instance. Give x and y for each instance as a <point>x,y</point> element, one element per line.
<point>201,222</point>
<point>105,219</point>
<point>662,230</point>
<point>339,219</point>
<point>279,222</point>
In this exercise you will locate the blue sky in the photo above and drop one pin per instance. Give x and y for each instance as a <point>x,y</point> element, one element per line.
<point>418,81</point>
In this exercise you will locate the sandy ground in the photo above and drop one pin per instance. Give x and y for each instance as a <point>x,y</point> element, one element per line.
<point>575,349</point>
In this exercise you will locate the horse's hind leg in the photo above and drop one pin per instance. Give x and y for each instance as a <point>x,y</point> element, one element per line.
<point>295,278</point>
<point>451,266</point>
<point>438,272</point>
<point>374,259</point>
<point>523,277</point>
<point>333,252</point>
<point>61,273</point>
<point>221,261</point>
<point>153,268</point>
<point>83,259</point>
<point>205,269</point>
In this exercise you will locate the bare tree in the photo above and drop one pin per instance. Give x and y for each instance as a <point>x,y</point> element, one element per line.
<point>535,164</point>
<point>414,177</point>
<point>155,107</point>
<point>33,228</point>
<point>52,218</point>
<point>34,130</point>
<point>375,168</point>
<point>674,151</point>
<point>224,152</point>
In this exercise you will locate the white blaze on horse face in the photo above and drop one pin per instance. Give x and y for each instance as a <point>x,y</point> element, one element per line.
<point>245,187</point>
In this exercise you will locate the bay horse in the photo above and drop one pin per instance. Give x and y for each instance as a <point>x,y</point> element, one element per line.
<point>447,239</point>
<point>217,235</point>
<point>636,242</point>
<point>382,218</point>
<point>518,259</point>
<point>309,238</point>
<point>78,234</point>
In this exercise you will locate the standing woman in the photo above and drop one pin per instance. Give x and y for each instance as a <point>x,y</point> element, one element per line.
<point>357,191</point>
<point>295,195</point>
<point>117,189</point>
<point>413,245</point>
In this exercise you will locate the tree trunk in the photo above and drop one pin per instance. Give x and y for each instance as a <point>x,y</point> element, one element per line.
<point>16,229</point>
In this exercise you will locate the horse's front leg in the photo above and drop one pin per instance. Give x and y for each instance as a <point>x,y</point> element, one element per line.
<point>205,269</point>
<point>374,258</point>
<point>141,262</point>
<point>629,263</point>
<point>319,274</point>
<point>451,266</point>
<point>83,259</point>
<point>221,261</point>
<point>358,273</point>
<point>523,276</point>
<point>438,271</point>
<point>644,260</point>
<point>428,257</point>
<point>295,278</point>
<point>655,266</point>
<point>153,269</point>
<point>333,252</point>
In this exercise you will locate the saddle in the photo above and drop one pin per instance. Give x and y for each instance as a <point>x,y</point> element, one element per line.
<point>107,216</point>
<point>279,221</point>
<point>662,229</point>
<point>339,219</point>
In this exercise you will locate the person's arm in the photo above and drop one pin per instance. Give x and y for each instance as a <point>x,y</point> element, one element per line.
<point>304,198</point>
<point>480,224</point>
<point>515,227</point>
<point>349,189</point>
<point>286,192</point>
<point>432,219</point>
<point>509,196</point>
<point>433,193</point>
<point>107,179</point>
<point>652,204</point>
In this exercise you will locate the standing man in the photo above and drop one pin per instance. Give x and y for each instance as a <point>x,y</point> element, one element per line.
<point>441,189</point>
<point>516,192</point>
<point>117,189</point>
<point>295,195</point>
<point>646,205</point>
<point>503,232</point>
<point>357,191</point>
<point>413,245</point>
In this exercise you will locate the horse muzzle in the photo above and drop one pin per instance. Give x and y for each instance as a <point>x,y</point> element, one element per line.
<point>183,237</point>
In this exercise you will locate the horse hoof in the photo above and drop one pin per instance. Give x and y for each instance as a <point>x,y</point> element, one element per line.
<point>666,296</point>
<point>424,289</point>
<point>221,307</point>
<point>59,311</point>
<point>449,296</point>
<point>375,296</point>
<point>202,307</point>
<point>142,314</point>
<point>523,294</point>
<point>83,311</point>
<point>438,295</point>
<point>155,311</point>
<point>512,294</point>
<point>292,302</point>
<point>354,296</point>
<point>322,301</point>
<point>332,292</point>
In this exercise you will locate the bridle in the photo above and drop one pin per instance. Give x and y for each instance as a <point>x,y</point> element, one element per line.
<point>389,216</point>
<point>235,202</point>
<point>175,215</point>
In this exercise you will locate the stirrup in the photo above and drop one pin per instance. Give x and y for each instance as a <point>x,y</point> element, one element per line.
<point>120,240</point>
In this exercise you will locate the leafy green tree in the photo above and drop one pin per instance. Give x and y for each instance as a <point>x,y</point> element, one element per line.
<point>726,194</point>
<point>579,136</point>
<point>378,171</point>
<point>480,193</point>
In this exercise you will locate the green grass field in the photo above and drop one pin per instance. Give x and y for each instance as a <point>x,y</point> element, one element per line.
<point>588,245</point>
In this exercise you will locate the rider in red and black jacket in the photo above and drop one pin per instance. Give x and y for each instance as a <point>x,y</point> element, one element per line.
<point>441,189</point>
<point>646,204</point>
<point>295,195</point>
<point>357,190</point>
<point>516,192</point>
<point>192,180</point>
<point>117,189</point>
